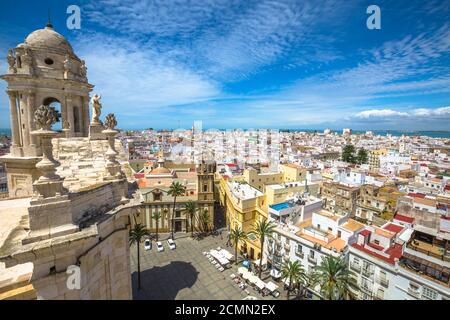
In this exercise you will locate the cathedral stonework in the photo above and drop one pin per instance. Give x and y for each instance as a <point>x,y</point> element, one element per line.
<point>71,195</point>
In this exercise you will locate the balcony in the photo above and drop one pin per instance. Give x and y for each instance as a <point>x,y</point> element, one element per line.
<point>367,272</point>
<point>301,255</point>
<point>366,288</point>
<point>313,260</point>
<point>414,293</point>
<point>287,247</point>
<point>355,267</point>
<point>383,281</point>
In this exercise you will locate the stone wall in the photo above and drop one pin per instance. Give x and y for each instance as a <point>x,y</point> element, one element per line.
<point>82,161</point>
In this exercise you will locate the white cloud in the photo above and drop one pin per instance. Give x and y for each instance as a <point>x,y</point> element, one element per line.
<point>380,113</point>
<point>392,114</point>
<point>138,81</point>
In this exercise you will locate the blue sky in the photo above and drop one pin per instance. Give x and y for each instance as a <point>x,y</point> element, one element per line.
<point>252,64</point>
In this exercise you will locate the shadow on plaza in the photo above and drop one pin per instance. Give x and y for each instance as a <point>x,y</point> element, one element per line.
<point>164,283</point>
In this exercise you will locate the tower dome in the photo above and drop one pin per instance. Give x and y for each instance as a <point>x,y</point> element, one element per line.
<point>48,39</point>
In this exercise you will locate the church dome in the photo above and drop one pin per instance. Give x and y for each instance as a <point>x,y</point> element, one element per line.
<point>48,38</point>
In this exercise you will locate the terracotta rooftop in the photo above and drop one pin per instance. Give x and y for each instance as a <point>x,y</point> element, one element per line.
<point>352,225</point>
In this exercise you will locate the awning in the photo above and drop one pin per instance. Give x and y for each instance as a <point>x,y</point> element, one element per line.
<point>271,286</point>
<point>252,278</point>
<point>264,261</point>
<point>275,273</point>
<point>246,264</point>
<point>222,260</point>
<point>260,284</point>
<point>242,270</point>
<point>226,254</point>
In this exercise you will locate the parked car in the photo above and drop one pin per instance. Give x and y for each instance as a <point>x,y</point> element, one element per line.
<point>159,246</point>
<point>171,244</point>
<point>147,244</point>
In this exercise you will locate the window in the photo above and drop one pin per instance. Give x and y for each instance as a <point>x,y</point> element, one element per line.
<point>48,61</point>
<point>330,229</point>
<point>299,249</point>
<point>339,233</point>
<point>157,196</point>
<point>380,293</point>
<point>429,293</point>
<point>205,188</point>
<point>377,242</point>
<point>177,213</point>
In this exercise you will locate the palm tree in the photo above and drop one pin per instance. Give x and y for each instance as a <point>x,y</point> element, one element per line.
<point>237,235</point>
<point>176,189</point>
<point>334,279</point>
<point>294,272</point>
<point>262,230</point>
<point>204,220</point>
<point>191,209</point>
<point>156,216</point>
<point>137,233</point>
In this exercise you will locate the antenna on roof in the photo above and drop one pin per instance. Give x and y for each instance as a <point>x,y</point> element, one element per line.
<point>49,23</point>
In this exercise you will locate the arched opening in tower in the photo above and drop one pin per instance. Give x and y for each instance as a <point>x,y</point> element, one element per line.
<point>53,102</point>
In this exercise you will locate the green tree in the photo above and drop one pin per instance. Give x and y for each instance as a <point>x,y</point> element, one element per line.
<point>176,189</point>
<point>204,220</point>
<point>137,233</point>
<point>237,235</point>
<point>334,279</point>
<point>348,153</point>
<point>191,209</point>
<point>156,216</point>
<point>262,230</point>
<point>362,156</point>
<point>295,273</point>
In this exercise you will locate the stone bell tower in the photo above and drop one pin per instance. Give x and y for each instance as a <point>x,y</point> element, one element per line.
<point>42,70</point>
<point>205,187</point>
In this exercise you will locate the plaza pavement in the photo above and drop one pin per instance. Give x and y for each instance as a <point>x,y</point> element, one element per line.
<point>185,273</point>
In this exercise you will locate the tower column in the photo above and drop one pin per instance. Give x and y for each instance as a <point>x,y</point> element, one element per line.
<point>25,119</point>
<point>14,118</point>
<point>31,108</point>
<point>86,120</point>
<point>69,112</point>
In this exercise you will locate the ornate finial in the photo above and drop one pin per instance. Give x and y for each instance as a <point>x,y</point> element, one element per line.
<point>110,121</point>
<point>49,23</point>
<point>45,117</point>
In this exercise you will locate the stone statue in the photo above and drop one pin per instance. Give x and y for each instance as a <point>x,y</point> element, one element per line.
<point>45,117</point>
<point>110,121</point>
<point>27,60</point>
<point>83,69</point>
<point>96,109</point>
<point>67,67</point>
<point>11,61</point>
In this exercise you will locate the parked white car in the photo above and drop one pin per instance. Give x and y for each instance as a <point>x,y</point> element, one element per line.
<point>159,246</point>
<point>171,244</point>
<point>147,244</point>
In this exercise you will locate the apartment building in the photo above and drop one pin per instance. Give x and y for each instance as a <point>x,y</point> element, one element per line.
<point>320,234</point>
<point>244,206</point>
<point>376,204</point>
<point>399,263</point>
<point>339,197</point>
